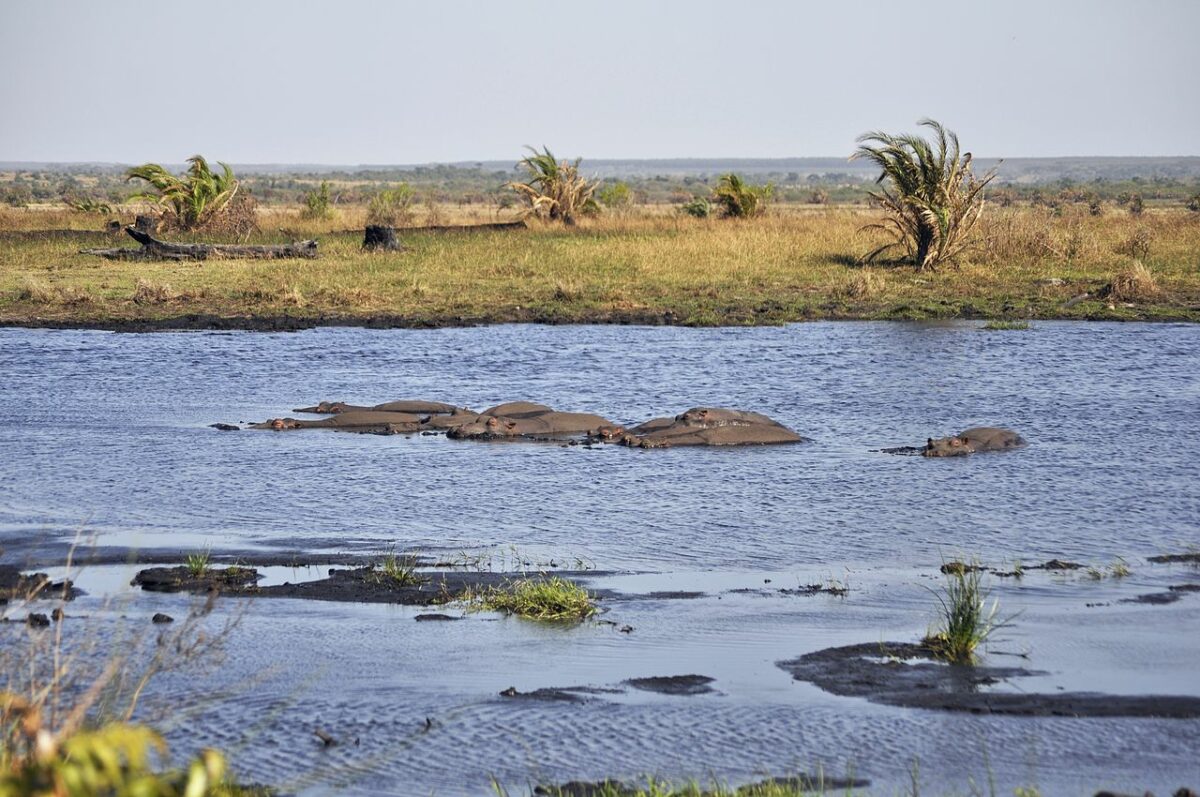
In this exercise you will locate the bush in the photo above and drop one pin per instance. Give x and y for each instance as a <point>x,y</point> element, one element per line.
<point>317,202</point>
<point>740,200</point>
<point>698,208</point>
<point>1136,205</point>
<point>541,598</point>
<point>1193,204</point>
<point>392,207</point>
<point>617,196</point>
<point>555,190</point>
<point>191,201</point>
<point>931,197</point>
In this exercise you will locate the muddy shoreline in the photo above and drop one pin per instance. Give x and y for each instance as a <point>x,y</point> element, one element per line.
<point>740,317</point>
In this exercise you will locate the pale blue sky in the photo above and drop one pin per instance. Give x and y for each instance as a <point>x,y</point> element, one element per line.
<point>269,81</point>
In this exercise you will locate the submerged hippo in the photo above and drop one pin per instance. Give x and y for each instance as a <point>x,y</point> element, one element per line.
<point>363,421</point>
<point>709,426</point>
<point>979,438</point>
<point>414,407</point>
<point>525,419</point>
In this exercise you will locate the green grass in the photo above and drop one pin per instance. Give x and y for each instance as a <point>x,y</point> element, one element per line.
<point>999,325</point>
<point>540,598</point>
<point>399,570</point>
<point>965,619</point>
<point>793,264</point>
<point>198,563</point>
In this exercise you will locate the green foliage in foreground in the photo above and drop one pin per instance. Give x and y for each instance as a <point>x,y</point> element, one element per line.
<point>116,759</point>
<point>999,325</point>
<point>965,620</point>
<point>539,598</point>
<point>190,201</point>
<point>930,195</point>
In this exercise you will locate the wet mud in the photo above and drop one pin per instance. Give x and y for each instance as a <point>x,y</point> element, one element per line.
<point>18,586</point>
<point>183,579</point>
<point>910,676</point>
<point>685,685</point>
<point>817,784</point>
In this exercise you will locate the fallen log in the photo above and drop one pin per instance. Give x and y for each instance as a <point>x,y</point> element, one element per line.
<point>154,249</point>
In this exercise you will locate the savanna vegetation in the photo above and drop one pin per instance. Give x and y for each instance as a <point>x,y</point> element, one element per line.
<point>729,250</point>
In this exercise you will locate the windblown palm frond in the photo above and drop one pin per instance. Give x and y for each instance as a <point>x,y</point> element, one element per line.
<point>740,200</point>
<point>190,201</point>
<point>554,189</point>
<point>928,191</point>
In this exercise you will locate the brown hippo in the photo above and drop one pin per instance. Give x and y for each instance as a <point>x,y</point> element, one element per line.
<point>710,426</point>
<point>414,407</point>
<point>364,421</point>
<point>525,419</point>
<point>979,438</point>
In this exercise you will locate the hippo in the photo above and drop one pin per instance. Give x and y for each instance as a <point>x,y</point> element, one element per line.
<point>413,407</point>
<point>978,438</point>
<point>709,426</point>
<point>524,419</point>
<point>363,421</point>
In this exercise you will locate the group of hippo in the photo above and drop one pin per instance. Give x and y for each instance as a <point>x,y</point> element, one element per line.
<point>524,420</point>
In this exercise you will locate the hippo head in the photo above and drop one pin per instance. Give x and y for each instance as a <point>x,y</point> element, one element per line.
<point>332,407</point>
<point>694,417</point>
<point>946,447</point>
<point>610,432</point>
<point>283,424</point>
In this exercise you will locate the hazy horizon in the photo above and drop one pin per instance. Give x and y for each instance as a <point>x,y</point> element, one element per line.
<point>407,84</point>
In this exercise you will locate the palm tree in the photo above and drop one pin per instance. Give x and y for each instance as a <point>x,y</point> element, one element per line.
<point>190,201</point>
<point>739,199</point>
<point>555,189</point>
<point>931,196</point>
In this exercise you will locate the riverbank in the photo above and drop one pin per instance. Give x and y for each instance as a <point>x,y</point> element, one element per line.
<point>797,264</point>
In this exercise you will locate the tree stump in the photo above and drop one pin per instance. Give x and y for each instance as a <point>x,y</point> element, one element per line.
<point>146,224</point>
<point>381,238</point>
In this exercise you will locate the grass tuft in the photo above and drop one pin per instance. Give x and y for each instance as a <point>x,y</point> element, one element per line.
<point>400,570</point>
<point>998,325</point>
<point>1135,283</point>
<point>539,598</point>
<point>198,563</point>
<point>966,620</point>
<point>149,292</point>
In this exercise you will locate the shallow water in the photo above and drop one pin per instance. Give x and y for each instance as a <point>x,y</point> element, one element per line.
<point>108,433</point>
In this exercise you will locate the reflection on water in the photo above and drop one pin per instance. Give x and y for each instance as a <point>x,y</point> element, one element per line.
<point>109,432</point>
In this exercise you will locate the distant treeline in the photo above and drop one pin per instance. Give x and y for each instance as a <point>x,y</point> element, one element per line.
<point>796,180</point>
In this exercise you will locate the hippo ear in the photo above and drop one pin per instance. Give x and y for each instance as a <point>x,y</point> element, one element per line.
<point>929,443</point>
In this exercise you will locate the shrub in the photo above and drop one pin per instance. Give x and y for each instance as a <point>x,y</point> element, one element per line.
<point>1136,205</point>
<point>540,598</point>
<point>698,208</point>
<point>1134,283</point>
<point>317,202</point>
<point>740,200</point>
<point>966,620</point>
<point>191,201</point>
<point>392,207</point>
<point>1193,204</point>
<point>617,196</point>
<point>931,197</point>
<point>555,190</point>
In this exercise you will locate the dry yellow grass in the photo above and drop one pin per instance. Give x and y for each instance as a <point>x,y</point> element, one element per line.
<point>653,265</point>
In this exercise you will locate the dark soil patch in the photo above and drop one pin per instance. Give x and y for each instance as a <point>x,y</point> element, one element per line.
<point>817,784</point>
<point>564,694</point>
<point>435,618</point>
<point>1173,593</point>
<point>1192,558</point>
<point>182,579</point>
<point>817,589</point>
<point>368,585</point>
<point>908,675</point>
<point>15,585</point>
<point>684,685</point>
